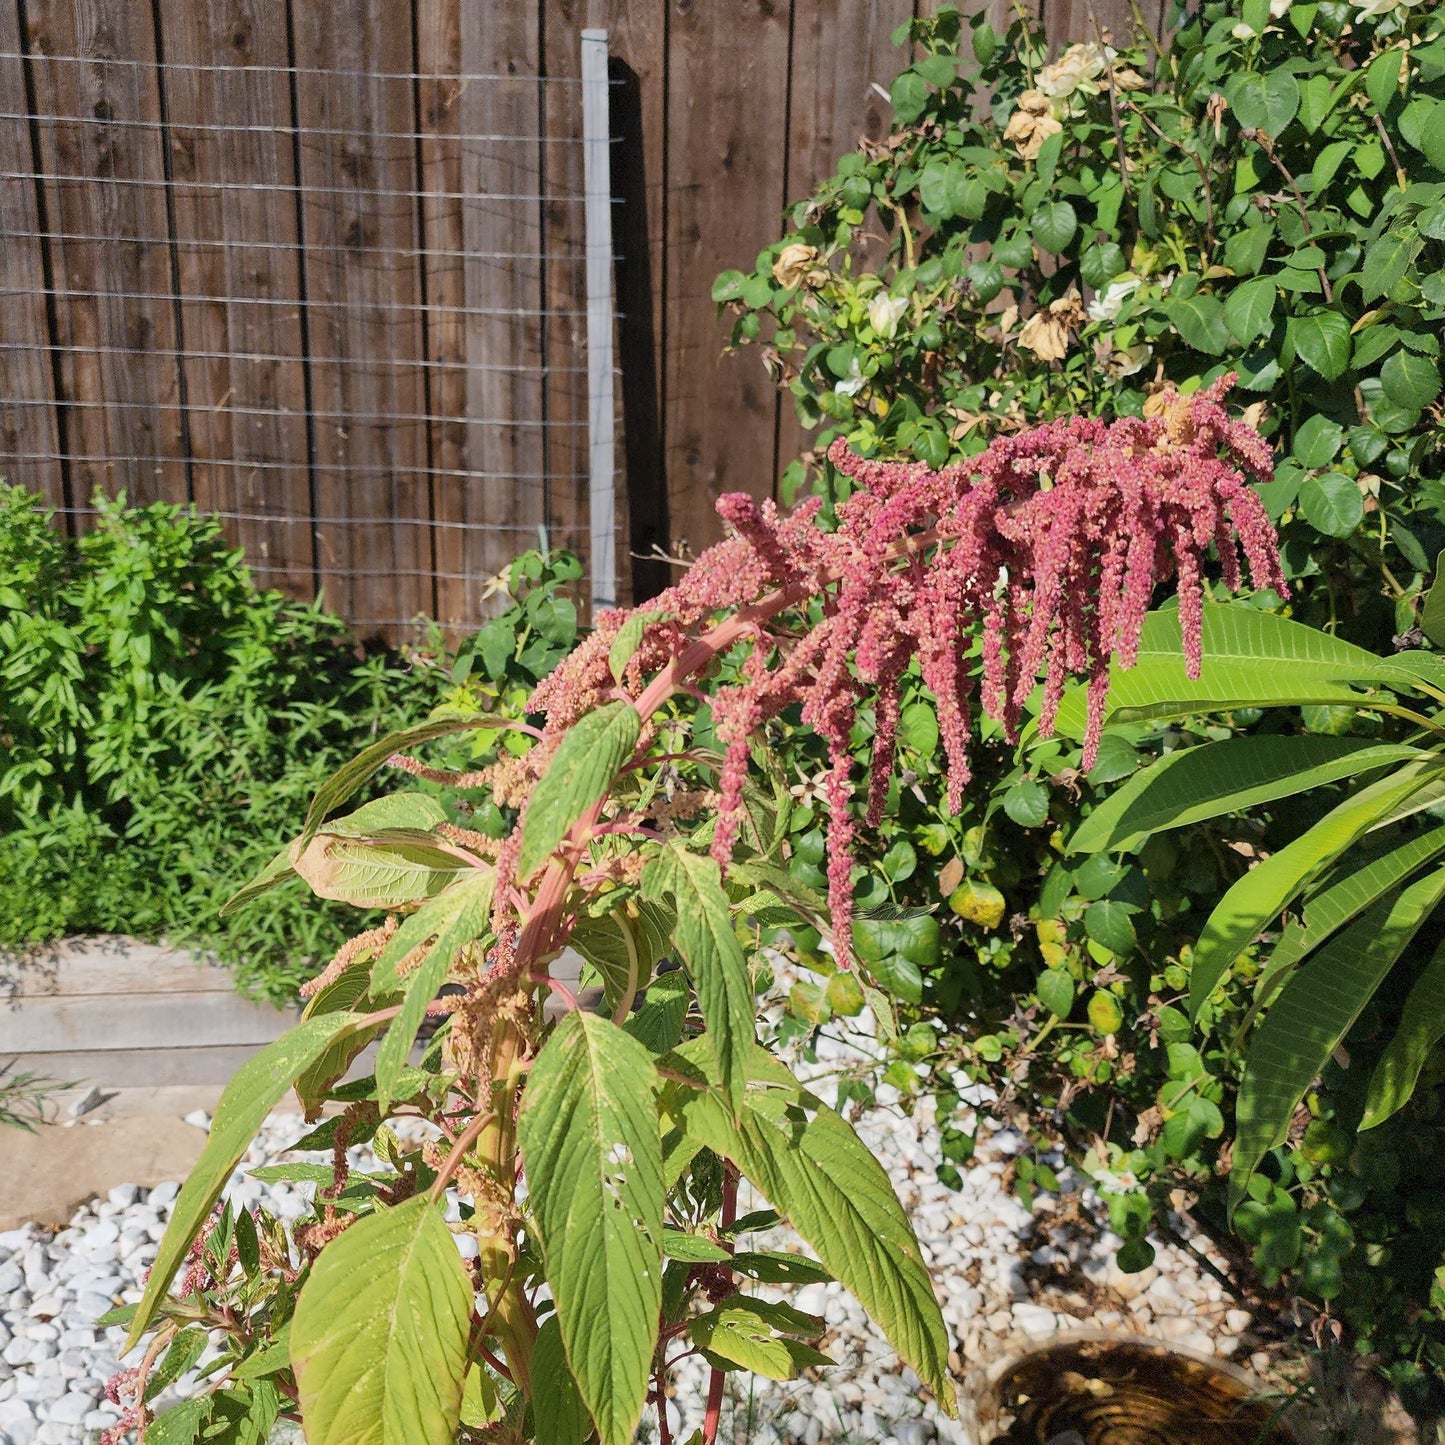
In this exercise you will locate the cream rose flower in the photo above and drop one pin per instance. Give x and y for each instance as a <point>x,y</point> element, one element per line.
<point>1077,66</point>
<point>1031,124</point>
<point>885,312</point>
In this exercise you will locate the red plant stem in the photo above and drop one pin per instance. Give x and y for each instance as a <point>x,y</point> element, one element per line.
<point>726,1219</point>
<point>664,1434</point>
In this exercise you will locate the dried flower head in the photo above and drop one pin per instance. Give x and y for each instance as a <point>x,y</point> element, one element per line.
<point>1043,552</point>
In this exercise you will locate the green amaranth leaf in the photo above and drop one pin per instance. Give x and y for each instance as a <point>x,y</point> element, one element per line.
<point>741,1333</point>
<point>579,775</point>
<point>254,1091</point>
<point>712,953</point>
<point>1307,1022</point>
<point>1422,1026</point>
<point>379,1337</point>
<point>389,869</point>
<point>557,1408</point>
<point>1192,784</point>
<point>344,782</point>
<point>592,1146</point>
<point>457,917</point>
<point>820,1176</point>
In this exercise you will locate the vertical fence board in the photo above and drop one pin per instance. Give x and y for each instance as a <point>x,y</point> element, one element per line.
<point>101,142</point>
<point>359,224</point>
<point>638,70</point>
<point>727,136</point>
<point>239,267</point>
<point>29,439</point>
<point>564,294</point>
<point>838,59</point>
<point>438,61</point>
<point>1069,21</point>
<point>501,224</point>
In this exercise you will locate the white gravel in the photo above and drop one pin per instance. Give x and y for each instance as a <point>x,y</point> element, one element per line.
<point>1003,1274</point>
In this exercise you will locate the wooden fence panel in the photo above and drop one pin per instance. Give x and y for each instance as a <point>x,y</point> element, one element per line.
<point>238,264</point>
<point>727,125</point>
<point>502,243</point>
<point>843,63</point>
<point>359,232</point>
<point>93,64</point>
<point>323,274</point>
<point>30,450</point>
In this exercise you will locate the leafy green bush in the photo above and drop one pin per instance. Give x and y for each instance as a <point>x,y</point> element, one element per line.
<point>1265,197</point>
<point>163,726</point>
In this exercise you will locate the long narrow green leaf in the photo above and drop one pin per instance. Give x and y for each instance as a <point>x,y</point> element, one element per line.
<point>1250,659</point>
<point>379,1337</point>
<point>1313,1014</point>
<point>1196,783</point>
<point>557,1409</point>
<point>713,955</point>
<point>592,1145</point>
<point>581,772</point>
<point>1253,900</point>
<point>344,782</point>
<point>817,1173</point>
<point>249,1097</point>
<point>465,917</point>
<point>1336,903</point>
<point>1422,1026</point>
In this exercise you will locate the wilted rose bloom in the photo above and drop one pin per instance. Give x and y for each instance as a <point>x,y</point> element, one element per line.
<point>1126,78</point>
<point>1110,302</point>
<point>1031,124</point>
<point>1077,66</point>
<point>1046,333</point>
<point>885,312</point>
<point>793,264</point>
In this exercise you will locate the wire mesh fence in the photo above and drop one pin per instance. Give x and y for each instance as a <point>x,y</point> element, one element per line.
<point>320,268</point>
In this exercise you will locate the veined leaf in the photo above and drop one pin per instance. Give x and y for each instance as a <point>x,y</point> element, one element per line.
<point>249,1097</point>
<point>312,1084</point>
<point>1251,659</point>
<point>398,810</point>
<point>713,955</point>
<point>465,917</point>
<point>742,1333</point>
<point>379,1337</point>
<point>1312,1015</point>
<point>1192,784</point>
<point>387,869</point>
<point>557,1408</point>
<point>344,782</point>
<point>276,871</point>
<point>816,1172</point>
<point>1422,1025</point>
<point>580,773</point>
<point>1261,893</point>
<point>634,935</point>
<point>1432,614</point>
<point>592,1145</point>
<point>1336,903</point>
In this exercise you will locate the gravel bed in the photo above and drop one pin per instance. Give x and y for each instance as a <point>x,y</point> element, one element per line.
<point>1003,1273</point>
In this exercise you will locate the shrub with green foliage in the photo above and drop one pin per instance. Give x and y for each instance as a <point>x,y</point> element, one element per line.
<point>1266,195</point>
<point>163,725</point>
